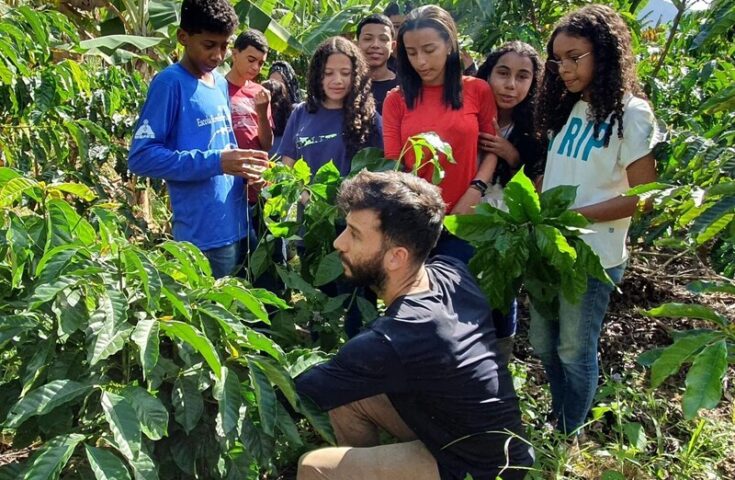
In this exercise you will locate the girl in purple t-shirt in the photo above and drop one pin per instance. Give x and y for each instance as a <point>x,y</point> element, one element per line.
<point>338,118</point>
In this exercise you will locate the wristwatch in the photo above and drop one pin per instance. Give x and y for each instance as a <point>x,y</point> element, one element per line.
<point>479,185</point>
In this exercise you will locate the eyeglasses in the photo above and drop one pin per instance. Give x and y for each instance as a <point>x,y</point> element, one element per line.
<point>569,64</point>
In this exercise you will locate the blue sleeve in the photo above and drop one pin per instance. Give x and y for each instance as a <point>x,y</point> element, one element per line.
<point>287,148</point>
<point>365,366</point>
<point>151,154</point>
<point>376,138</point>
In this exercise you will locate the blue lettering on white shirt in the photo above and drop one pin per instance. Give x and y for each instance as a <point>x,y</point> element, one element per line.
<point>577,138</point>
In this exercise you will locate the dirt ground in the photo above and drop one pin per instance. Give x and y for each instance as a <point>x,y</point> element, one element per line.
<point>651,279</point>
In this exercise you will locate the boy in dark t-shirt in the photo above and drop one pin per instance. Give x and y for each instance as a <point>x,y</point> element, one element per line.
<point>427,371</point>
<point>376,39</point>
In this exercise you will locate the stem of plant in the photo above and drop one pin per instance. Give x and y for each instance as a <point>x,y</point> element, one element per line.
<point>672,33</point>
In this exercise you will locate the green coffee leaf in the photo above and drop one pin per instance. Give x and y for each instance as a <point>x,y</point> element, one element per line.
<point>555,201</point>
<point>196,339</point>
<point>44,399</point>
<point>123,423</point>
<point>106,465</point>
<point>108,330</point>
<point>187,402</point>
<point>704,379</point>
<point>329,269</point>
<point>277,375</point>
<point>266,397</point>
<point>146,337</point>
<point>674,356</point>
<point>52,458</point>
<point>151,413</point>
<point>228,396</point>
<point>681,310</point>
<point>522,200</point>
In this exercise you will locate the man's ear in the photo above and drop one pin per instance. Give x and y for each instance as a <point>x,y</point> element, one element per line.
<point>182,36</point>
<point>393,46</point>
<point>396,258</point>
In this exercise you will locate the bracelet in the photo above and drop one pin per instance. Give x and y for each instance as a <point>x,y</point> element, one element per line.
<point>479,185</point>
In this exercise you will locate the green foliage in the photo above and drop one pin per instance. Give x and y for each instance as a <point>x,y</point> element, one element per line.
<point>537,244</point>
<point>707,350</point>
<point>128,346</point>
<point>124,359</point>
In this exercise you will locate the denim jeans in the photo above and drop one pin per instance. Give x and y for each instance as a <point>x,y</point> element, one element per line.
<point>228,260</point>
<point>568,345</point>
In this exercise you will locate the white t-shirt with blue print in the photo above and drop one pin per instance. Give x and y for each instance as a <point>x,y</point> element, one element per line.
<point>576,157</point>
<point>184,126</point>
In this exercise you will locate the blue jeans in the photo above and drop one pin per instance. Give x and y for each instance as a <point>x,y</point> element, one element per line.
<point>568,345</point>
<point>229,259</point>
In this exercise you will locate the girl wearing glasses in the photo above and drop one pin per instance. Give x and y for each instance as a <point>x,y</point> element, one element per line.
<point>601,133</point>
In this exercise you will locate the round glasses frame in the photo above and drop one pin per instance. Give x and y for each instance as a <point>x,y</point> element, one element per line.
<point>571,63</point>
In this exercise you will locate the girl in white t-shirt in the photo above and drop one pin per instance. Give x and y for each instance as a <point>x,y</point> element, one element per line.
<point>601,135</point>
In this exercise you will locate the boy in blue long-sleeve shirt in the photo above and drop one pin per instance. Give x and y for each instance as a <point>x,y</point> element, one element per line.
<point>184,136</point>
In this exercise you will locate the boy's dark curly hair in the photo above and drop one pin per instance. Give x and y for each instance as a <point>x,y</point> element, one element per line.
<point>281,106</point>
<point>614,72</point>
<point>524,113</point>
<point>359,106</point>
<point>213,16</point>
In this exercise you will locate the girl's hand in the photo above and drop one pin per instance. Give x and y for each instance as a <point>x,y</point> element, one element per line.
<point>466,204</point>
<point>501,147</point>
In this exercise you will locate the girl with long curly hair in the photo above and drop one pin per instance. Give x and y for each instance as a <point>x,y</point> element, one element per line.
<point>435,97</point>
<point>338,118</point>
<point>514,73</point>
<point>601,133</point>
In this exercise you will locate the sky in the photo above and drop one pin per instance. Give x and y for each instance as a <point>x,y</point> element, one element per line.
<point>663,11</point>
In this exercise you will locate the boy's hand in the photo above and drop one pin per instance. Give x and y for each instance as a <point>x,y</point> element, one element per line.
<point>248,164</point>
<point>262,100</point>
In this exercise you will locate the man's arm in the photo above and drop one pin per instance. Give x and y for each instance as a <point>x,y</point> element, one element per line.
<point>365,366</point>
<point>151,157</point>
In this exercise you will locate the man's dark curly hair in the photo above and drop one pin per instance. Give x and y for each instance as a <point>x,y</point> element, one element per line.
<point>524,113</point>
<point>281,106</point>
<point>359,106</point>
<point>614,72</point>
<point>410,209</point>
<point>213,16</point>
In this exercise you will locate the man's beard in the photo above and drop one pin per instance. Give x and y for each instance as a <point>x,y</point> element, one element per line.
<point>369,273</point>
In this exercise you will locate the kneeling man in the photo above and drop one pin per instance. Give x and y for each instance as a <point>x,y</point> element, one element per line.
<point>427,372</point>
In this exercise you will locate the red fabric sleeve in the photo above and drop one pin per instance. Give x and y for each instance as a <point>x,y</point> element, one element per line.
<point>487,108</point>
<point>393,109</point>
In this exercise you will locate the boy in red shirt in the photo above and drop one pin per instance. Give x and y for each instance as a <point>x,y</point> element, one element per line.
<point>250,102</point>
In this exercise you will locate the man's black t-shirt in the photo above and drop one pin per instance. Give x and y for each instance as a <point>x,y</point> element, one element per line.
<point>380,89</point>
<point>434,355</point>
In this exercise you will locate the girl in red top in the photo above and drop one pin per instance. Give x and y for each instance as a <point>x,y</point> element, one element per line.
<point>435,97</point>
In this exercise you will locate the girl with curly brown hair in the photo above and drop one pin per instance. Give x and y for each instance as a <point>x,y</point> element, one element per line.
<point>338,118</point>
<point>601,134</point>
